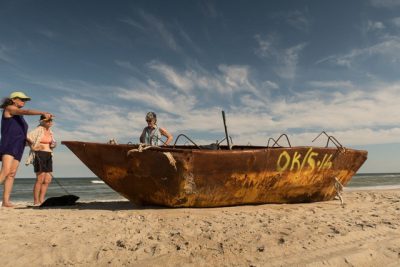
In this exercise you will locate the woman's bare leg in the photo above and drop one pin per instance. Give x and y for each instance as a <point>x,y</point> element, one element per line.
<point>45,185</point>
<point>5,167</point>
<point>37,187</point>
<point>8,183</point>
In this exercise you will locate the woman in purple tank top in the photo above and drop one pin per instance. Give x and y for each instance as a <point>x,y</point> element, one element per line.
<point>13,139</point>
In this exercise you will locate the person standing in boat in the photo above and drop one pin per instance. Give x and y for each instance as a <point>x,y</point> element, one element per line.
<point>13,139</point>
<point>42,143</point>
<point>151,134</point>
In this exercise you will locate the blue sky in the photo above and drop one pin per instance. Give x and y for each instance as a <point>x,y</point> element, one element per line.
<point>294,67</point>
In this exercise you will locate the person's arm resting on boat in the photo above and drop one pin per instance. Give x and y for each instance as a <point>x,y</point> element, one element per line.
<point>169,136</point>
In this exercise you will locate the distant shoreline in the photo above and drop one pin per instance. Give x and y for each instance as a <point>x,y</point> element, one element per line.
<point>95,177</point>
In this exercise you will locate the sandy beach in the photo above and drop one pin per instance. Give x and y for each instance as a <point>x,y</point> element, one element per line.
<point>364,232</point>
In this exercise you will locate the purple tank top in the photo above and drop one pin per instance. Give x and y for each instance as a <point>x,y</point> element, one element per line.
<point>13,136</point>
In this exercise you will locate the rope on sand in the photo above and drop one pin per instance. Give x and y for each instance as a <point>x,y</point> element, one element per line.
<point>339,189</point>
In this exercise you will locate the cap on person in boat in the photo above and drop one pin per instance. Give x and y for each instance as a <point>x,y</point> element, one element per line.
<point>44,119</point>
<point>151,116</point>
<point>19,95</point>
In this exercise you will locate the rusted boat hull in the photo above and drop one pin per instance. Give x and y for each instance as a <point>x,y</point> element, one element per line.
<point>189,177</point>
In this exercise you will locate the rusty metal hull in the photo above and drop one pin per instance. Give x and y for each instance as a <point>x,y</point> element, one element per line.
<point>189,177</point>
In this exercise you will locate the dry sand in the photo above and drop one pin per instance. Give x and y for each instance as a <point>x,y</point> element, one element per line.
<point>365,232</point>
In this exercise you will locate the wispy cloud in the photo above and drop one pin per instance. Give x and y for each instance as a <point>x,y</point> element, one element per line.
<point>158,26</point>
<point>208,8</point>
<point>347,114</point>
<point>171,102</point>
<point>286,58</point>
<point>133,23</point>
<point>128,66</point>
<point>153,27</point>
<point>266,46</point>
<point>299,20</point>
<point>237,78</point>
<point>87,120</point>
<point>396,21</point>
<point>332,84</point>
<point>388,47</point>
<point>79,88</point>
<point>375,26</point>
<point>5,54</point>
<point>180,82</point>
<point>47,33</point>
<point>289,60</point>
<point>229,79</point>
<point>385,3</point>
<point>269,85</point>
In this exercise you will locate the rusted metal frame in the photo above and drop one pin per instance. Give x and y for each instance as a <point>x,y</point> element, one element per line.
<point>230,137</point>
<point>176,140</point>
<point>331,138</point>
<point>273,141</point>
<point>276,141</point>
<point>226,130</point>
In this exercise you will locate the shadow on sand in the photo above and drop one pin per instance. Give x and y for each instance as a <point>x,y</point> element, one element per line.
<point>99,205</point>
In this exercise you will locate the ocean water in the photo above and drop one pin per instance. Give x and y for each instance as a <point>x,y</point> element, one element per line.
<point>93,189</point>
<point>87,189</point>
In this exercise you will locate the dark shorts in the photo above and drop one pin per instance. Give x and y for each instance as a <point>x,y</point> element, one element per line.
<point>43,161</point>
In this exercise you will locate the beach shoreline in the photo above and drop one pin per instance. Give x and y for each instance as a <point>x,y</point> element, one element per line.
<point>364,232</point>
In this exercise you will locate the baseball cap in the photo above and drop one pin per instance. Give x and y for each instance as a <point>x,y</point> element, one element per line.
<point>19,95</point>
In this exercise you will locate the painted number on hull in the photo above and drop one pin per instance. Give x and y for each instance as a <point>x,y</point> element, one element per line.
<point>297,162</point>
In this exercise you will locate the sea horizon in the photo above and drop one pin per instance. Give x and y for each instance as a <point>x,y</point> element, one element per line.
<point>90,177</point>
<point>94,189</point>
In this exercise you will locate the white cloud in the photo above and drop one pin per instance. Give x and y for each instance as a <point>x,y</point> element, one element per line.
<point>396,21</point>
<point>385,3</point>
<point>154,28</point>
<point>208,8</point>
<point>286,59</point>
<point>332,84</point>
<point>181,82</point>
<point>126,65</point>
<point>47,33</point>
<point>167,101</point>
<point>229,79</point>
<point>237,77</point>
<point>288,62</point>
<point>266,46</point>
<point>5,54</point>
<point>388,47</point>
<point>87,120</point>
<point>270,85</point>
<point>160,28</point>
<point>375,25</point>
<point>299,20</point>
<point>350,112</point>
<point>133,23</point>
